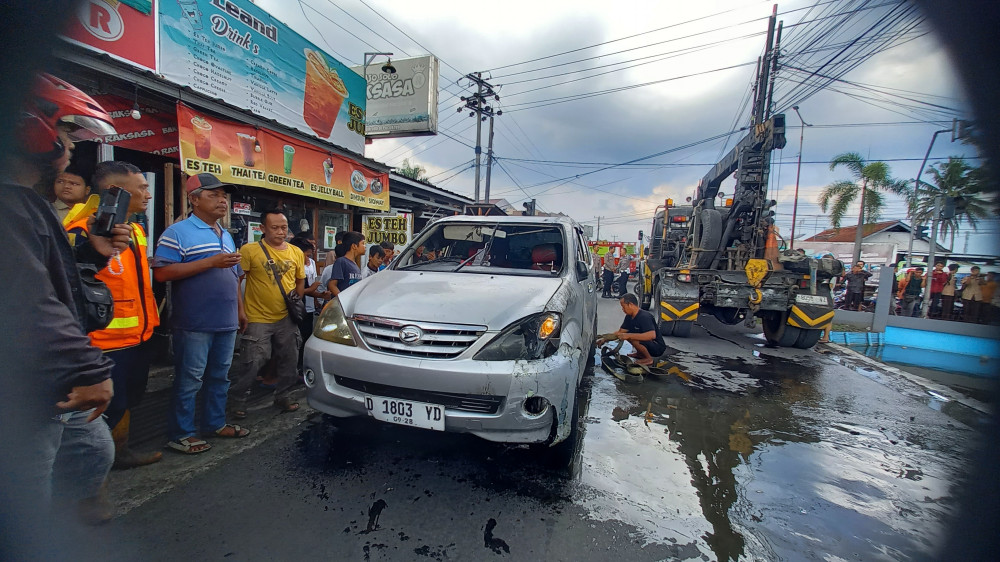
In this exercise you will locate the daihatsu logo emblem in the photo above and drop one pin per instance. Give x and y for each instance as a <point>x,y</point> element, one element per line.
<point>410,334</point>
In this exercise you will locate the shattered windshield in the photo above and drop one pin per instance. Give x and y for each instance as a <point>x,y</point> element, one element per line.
<point>521,249</point>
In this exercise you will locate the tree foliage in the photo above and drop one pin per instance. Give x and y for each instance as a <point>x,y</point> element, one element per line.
<point>414,172</point>
<point>954,178</point>
<point>870,182</point>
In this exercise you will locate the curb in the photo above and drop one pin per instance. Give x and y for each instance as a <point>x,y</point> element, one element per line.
<point>925,385</point>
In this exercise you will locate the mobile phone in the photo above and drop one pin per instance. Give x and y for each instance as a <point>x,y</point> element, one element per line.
<point>112,210</point>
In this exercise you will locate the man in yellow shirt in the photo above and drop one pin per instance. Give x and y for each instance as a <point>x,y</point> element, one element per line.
<point>264,320</point>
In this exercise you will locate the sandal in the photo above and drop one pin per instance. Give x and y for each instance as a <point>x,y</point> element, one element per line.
<point>189,445</point>
<point>286,405</point>
<point>232,431</point>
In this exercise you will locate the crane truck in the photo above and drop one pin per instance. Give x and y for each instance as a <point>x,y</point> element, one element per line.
<point>724,259</point>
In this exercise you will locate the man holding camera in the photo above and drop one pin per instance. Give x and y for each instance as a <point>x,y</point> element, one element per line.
<point>127,275</point>
<point>56,384</point>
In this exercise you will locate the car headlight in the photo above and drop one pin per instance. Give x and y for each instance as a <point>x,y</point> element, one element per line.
<point>332,325</point>
<point>533,337</point>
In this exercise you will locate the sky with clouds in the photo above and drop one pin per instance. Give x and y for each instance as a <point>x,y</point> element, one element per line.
<point>585,86</point>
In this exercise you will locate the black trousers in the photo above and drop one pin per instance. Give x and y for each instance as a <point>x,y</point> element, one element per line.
<point>129,377</point>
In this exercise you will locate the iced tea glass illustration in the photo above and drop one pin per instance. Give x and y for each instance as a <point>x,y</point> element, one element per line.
<point>324,93</point>
<point>247,143</point>
<point>289,154</point>
<point>202,137</point>
<point>328,170</point>
<point>189,9</point>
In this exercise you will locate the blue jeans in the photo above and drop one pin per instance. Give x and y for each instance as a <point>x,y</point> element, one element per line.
<point>202,359</point>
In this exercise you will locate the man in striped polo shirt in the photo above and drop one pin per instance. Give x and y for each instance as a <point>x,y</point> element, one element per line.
<point>199,257</point>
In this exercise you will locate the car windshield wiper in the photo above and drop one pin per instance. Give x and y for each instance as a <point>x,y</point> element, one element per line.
<point>486,249</point>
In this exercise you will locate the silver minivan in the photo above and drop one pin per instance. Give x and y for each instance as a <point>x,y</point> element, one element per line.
<point>482,325</point>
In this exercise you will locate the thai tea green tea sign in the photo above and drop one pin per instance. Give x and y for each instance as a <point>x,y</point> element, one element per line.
<point>237,52</point>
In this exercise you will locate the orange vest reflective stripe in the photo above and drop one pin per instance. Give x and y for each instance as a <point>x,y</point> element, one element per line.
<point>135,306</point>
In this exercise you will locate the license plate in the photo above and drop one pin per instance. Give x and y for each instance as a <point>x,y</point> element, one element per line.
<point>811,299</point>
<point>406,412</point>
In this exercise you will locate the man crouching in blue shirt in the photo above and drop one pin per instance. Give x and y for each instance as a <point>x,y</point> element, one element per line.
<point>199,257</point>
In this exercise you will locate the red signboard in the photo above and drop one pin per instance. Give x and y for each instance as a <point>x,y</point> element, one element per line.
<point>154,131</point>
<point>116,29</point>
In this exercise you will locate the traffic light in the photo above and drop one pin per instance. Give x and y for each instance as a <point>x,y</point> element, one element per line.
<point>921,232</point>
<point>952,206</point>
<point>640,236</point>
<point>529,208</point>
<point>948,208</point>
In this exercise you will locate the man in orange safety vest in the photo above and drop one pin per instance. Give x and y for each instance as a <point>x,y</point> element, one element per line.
<point>126,338</point>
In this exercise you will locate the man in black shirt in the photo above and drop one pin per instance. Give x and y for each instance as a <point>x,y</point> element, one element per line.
<point>639,329</point>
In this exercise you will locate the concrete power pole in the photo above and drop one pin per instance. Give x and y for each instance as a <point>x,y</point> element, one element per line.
<point>598,237</point>
<point>481,110</point>
<point>489,162</point>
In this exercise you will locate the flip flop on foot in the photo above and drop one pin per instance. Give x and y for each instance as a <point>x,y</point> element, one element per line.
<point>286,405</point>
<point>232,431</point>
<point>189,445</point>
<point>644,362</point>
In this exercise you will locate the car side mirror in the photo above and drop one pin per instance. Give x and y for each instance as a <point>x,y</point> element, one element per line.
<point>582,271</point>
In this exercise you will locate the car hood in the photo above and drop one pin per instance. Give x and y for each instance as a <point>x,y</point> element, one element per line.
<point>494,301</point>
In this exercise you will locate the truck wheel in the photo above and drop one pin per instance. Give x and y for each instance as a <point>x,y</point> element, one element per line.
<point>807,338</point>
<point>779,333</point>
<point>707,234</point>
<point>682,329</point>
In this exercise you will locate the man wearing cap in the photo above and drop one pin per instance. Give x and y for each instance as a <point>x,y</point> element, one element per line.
<point>199,257</point>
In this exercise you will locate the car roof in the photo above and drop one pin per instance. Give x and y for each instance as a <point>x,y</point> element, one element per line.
<point>562,220</point>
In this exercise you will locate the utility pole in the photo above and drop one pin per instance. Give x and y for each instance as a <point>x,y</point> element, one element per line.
<point>489,161</point>
<point>598,237</point>
<point>481,110</point>
<point>798,172</point>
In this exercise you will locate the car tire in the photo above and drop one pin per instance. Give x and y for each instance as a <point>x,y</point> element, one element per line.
<point>560,456</point>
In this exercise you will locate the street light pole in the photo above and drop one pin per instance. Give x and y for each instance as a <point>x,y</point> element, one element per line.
<point>798,173</point>
<point>916,193</point>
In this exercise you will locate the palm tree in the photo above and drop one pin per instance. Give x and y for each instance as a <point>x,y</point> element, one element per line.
<point>871,180</point>
<point>954,178</point>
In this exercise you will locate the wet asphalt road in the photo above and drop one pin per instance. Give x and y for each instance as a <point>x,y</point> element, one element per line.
<point>745,452</point>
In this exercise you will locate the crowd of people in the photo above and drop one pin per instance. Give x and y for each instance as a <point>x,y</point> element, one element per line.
<point>92,286</point>
<point>975,294</point>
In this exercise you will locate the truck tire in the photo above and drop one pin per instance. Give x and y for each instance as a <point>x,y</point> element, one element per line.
<point>778,332</point>
<point>808,338</point>
<point>707,234</point>
<point>682,329</point>
<point>666,328</point>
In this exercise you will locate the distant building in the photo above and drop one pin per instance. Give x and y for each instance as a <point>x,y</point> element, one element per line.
<point>888,232</point>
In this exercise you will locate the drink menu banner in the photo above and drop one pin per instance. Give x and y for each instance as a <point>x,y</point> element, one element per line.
<point>235,51</point>
<point>245,155</point>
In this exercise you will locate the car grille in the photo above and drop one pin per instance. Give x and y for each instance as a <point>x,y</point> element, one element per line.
<point>438,341</point>
<point>477,403</point>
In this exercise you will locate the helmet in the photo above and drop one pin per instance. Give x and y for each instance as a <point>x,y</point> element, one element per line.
<point>53,101</point>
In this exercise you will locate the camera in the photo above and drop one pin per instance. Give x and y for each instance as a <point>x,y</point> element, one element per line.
<point>112,210</point>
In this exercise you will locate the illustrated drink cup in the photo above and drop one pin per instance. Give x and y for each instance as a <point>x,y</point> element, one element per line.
<point>202,137</point>
<point>324,93</point>
<point>247,143</point>
<point>328,171</point>
<point>289,154</point>
<point>189,9</point>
